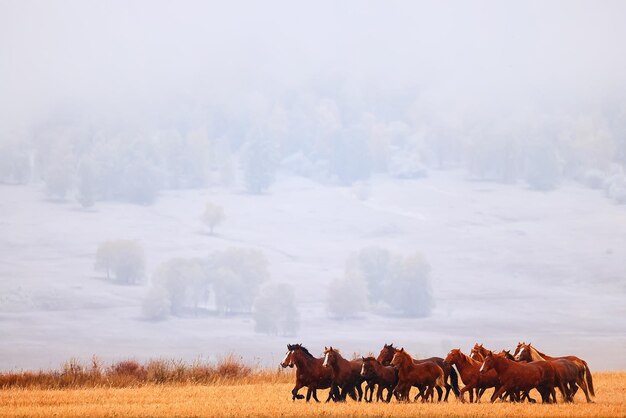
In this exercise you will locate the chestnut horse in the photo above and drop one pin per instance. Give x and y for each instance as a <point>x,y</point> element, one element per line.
<point>386,377</point>
<point>450,375</point>
<point>515,377</point>
<point>425,376</point>
<point>469,369</point>
<point>309,373</point>
<point>569,374</point>
<point>346,373</point>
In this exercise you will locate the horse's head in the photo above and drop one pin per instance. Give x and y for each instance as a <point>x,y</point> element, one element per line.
<point>506,354</point>
<point>453,356</point>
<point>520,344</point>
<point>399,358</point>
<point>476,354</point>
<point>288,360</point>
<point>488,363</point>
<point>330,356</point>
<point>386,354</point>
<point>523,352</point>
<point>367,369</point>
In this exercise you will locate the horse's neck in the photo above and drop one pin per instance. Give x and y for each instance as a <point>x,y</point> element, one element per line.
<point>502,364</point>
<point>302,362</point>
<point>407,364</point>
<point>470,361</point>
<point>340,362</point>
<point>541,355</point>
<point>535,356</point>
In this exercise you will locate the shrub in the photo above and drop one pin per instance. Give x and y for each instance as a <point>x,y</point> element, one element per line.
<point>347,298</point>
<point>124,258</point>
<point>213,216</point>
<point>275,311</point>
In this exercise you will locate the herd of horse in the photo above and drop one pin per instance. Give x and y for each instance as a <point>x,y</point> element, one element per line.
<point>395,372</point>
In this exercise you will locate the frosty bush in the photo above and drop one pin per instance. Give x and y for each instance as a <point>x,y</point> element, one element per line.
<point>395,283</point>
<point>616,188</point>
<point>185,281</point>
<point>595,179</point>
<point>347,298</point>
<point>122,258</point>
<point>258,166</point>
<point>275,311</point>
<point>157,304</point>
<point>408,288</point>
<point>238,274</point>
<point>213,216</point>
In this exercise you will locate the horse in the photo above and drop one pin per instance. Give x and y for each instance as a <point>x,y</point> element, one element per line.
<point>469,369</point>
<point>425,376</point>
<point>346,373</point>
<point>479,352</point>
<point>515,377</point>
<point>570,376</point>
<point>309,372</point>
<point>386,377</point>
<point>450,375</point>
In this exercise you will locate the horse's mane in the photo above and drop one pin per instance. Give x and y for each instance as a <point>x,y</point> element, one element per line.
<point>405,353</point>
<point>535,354</point>
<point>304,350</point>
<point>370,358</point>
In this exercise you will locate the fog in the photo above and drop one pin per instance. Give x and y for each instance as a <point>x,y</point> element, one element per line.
<point>188,179</point>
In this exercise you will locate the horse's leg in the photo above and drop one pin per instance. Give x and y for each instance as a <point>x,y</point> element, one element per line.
<point>497,393</point>
<point>315,396</point>
<point>466,388</point>
<point>430,393</point>
<point>308,394</point>
<point>294,392</point>
<point>583,385</point>
<point>359,389</point>
<point>448,389</point>
<point>439,393</point>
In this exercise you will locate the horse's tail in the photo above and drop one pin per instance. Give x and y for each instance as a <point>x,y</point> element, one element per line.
<point>454,379</point>
<point>589,378</point>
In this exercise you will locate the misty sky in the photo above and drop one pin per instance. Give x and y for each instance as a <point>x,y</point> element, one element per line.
<point>460,56</point>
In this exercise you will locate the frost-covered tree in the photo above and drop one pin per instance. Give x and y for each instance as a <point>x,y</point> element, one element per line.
<point>156,305</point>
<point>186,283</point>
<point>408,287</point>
<point>543,169</point>
<point>275,311</point>
<point>372,264</point>
<point>238,274</point>
<point>124,259</point>
<point>86,194</point>
<point>259,165</point>
<point>213,215</point>
<point>346,298</point>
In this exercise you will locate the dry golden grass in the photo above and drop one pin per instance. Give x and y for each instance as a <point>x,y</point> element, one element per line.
<point>272,398</point>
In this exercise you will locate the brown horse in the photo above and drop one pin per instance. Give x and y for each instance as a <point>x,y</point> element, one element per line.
<point>386,377</point>
<point>309,372</point>
<point>469,369</point>
<point>515,377</point>
<point>346,373</point>
<point>450,375</point>
<point>570,376</point>
<point>425,376</point>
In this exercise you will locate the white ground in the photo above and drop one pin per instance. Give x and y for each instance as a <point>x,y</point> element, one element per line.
<point>508,264</point>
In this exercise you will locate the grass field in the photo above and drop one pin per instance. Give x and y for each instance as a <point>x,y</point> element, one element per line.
<point>272,398</point>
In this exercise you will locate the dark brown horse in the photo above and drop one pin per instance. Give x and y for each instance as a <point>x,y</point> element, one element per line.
<point>386,377</point>
<point>425,376</point>
<point>450,376</point>
<point>346,373</point>
<point>469,369</point>
<point>569,374</point>
<point>517,377</point>
<point>310,373</point>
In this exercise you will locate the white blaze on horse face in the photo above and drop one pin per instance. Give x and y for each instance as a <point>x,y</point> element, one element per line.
<point>519,355</point>
<point>482,367</point>
<point>363,369</point>
<point>285,359</point>
<point>325,364</point>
